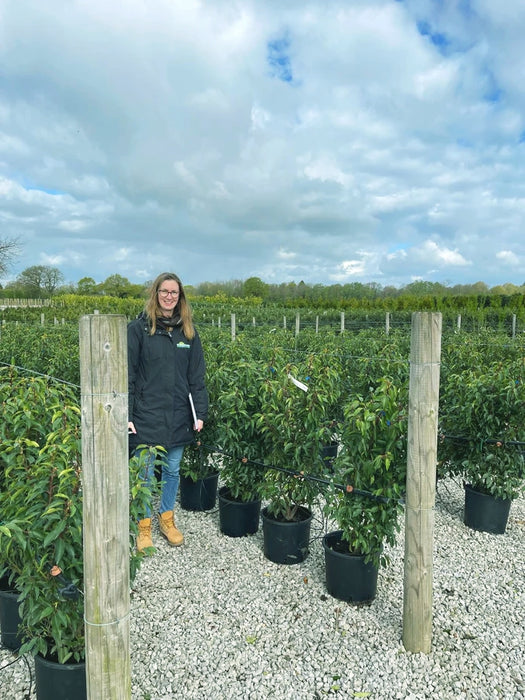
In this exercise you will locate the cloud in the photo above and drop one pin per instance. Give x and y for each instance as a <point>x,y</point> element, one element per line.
<point>321,141</point>
<point>509,258</point>
<point>423,261</point>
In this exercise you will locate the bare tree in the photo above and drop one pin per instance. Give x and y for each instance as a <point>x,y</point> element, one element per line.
<point>9,247</point>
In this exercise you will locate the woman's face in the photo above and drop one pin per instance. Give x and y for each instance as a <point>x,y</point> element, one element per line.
<point>168,296</point>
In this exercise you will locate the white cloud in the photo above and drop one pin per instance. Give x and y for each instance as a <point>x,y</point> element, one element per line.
<point>508,258</point>
<point>346,140</point>
<point>73,225</point>
<point>285,254</point>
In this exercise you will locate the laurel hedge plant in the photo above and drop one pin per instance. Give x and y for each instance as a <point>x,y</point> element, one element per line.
<point>482,426</point>
<point>369,472</point>
<point>41,547</point>
<point>295,420</point>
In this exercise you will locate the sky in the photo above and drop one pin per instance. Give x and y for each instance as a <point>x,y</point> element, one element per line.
<point>324,141</point>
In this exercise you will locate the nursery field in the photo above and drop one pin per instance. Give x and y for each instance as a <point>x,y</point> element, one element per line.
<point>279,396</point>
<point>216,619</point>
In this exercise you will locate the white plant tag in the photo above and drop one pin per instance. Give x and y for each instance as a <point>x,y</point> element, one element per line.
<point>297,382</point>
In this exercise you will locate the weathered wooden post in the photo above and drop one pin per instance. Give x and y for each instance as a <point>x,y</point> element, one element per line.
<point>105,484</point>
<point>342,321</point>
<point>387,322</point>
<point>232,323</point>
<point>425,354</point>
<point>297,323</point>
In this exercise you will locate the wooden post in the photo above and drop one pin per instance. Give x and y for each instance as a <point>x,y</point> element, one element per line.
<point>317,324</point>
<point>458,324</point>
<point>297,323</point>
<point>387,323</point>
<point>284,322</point>
<point>342,321</point>
<point>233,326</point>
<point>425,354</point>
<point>105,484</point>
<point>513,326</point>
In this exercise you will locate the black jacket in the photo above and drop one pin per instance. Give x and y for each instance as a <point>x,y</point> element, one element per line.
<point>163,369</point>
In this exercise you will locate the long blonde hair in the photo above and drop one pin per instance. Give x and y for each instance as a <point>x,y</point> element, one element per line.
<point>152,307</point>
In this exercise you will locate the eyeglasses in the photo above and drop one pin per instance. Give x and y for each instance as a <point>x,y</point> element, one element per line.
<point>167,293</point>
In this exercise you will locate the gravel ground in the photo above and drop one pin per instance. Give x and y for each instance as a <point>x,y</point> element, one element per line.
<point>214,619</point>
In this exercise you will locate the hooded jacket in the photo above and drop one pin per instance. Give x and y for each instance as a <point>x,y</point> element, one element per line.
<point>163,369</point>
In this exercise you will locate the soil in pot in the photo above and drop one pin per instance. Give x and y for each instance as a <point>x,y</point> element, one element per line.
<point>348,576</point>
<point>237,518</point>
<point>287,541</point>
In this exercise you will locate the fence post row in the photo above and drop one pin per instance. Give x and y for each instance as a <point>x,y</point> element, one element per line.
<point>105,484</point>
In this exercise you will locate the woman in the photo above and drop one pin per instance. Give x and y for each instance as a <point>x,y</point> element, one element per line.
<point>166,376</point>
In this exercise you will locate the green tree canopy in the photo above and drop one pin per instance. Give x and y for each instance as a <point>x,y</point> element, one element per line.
<point>255,287</point>
<point>87,285</point>
<point>39,280</point>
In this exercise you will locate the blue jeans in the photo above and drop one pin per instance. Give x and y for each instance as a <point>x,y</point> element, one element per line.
<point>169,477</point>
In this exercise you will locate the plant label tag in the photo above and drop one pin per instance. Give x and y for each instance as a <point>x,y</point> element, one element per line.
<point>297,383</point>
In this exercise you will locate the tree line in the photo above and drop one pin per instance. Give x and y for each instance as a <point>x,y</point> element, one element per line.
<point>44,282</point>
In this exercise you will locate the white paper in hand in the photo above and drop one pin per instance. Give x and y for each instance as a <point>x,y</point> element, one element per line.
<point>193,411</point>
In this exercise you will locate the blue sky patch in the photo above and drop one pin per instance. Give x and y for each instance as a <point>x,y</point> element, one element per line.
<point>279,59</point>
<point>440,40</point>
<point>28,184</point>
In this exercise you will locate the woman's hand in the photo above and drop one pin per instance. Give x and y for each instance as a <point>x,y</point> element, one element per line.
<point>198,425</point>
<point>131,428</point>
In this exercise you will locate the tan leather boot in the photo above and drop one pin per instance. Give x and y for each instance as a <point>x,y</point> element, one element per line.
<point>168,529</point>
<point>144,537</point>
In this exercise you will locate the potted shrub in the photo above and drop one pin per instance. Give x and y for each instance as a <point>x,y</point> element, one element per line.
<point>237,404</point>
<point>24,418</point>
<point>199,474</point>
<point>483,430</point>
<point>294,423</point>
<point>199,477</point>
<point>364,496</point>
<point>41,538</point>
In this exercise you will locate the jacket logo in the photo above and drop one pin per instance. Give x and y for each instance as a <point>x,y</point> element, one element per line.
<point>181,344</point>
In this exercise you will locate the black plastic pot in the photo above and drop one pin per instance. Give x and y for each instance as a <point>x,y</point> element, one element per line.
<point>9,619</point>
<point>200,494</point>
<point>348,576</point>
<point>56,681</point>
<point>285,541</point>
<point>328,453</point>
<point>237,518</point>
<point>485,512</point>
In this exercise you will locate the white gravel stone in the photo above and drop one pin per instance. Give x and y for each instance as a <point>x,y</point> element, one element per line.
<point>214,619</point>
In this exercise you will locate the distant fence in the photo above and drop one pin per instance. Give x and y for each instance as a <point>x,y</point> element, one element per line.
<point>16,303</point>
